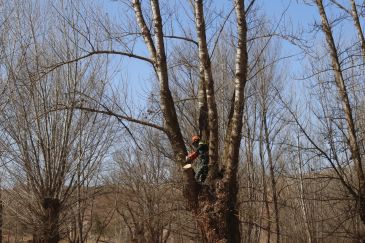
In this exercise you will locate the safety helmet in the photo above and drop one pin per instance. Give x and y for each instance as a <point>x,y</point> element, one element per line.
<point>195,138</point>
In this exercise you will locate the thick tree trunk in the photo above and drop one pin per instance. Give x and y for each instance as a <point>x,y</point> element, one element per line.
<point>217,203</point>
<point>49,233</point>
<point>233,143</point>
<point>343,94</point>
<point>214,205</point>
<point>216,214</point>
<point>1,215</point>
<point>52,208</point>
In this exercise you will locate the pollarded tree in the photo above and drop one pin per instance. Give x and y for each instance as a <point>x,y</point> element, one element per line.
<point>48,153</point>
<point>214,203</point>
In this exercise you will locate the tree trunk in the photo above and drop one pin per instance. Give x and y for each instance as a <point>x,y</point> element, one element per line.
<point>264,191</point>
<point>343,94</point>
<point>301,194</point>
<point>251,184</point>
<point>1,215</point>
<point>49,233</point>
<point>272,176</point>
<point>360,34</point>
<point>214,205</point>
<point>217,203</point>
<point>216,214</point>
<point>207,78</point>
<point>52,207</point>
<point>79,228</point>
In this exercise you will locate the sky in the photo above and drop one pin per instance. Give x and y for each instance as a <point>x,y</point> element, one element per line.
<point>297,16</point>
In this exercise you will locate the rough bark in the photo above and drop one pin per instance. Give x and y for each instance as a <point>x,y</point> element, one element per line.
<point>49,233</point>
<point>343,94</point>
<point>217,211</point>
<point>1,214</point>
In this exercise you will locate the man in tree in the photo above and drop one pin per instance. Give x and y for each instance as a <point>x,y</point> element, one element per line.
<point>201,152</point>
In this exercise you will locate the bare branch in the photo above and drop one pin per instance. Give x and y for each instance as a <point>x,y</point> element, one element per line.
<point>316,146</point>
<point>250,6</point>
<point>220,31</point>
<point>93,53</point>
<point>181,38</point>
<point>110,113</point>
<point>341,6</point>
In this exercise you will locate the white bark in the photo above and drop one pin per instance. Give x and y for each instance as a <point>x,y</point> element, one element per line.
<point>205,66</point>
<point>234,138</point>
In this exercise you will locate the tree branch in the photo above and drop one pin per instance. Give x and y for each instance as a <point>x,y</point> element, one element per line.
<point>181,38</point>
<point>340,6</point>
<point>146,33</point>
<point>233,139</point>
<point>99,52</point>
<point>111,113</point>
<point>316,146</point>
<point>250,6</point>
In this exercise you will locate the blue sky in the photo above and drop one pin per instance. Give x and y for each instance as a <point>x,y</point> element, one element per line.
<point>299,15</point>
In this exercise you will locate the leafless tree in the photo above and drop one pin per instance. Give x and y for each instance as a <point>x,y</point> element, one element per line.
<point>220,193</point>
<point>146,198</point>
<point>48,153</point>
<point>212,75</point>
<point>346,107</point>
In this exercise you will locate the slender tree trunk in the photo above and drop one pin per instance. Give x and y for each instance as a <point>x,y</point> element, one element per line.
<point>207,78</point>
<point>301,193</point>
<point>272,177</point>
<point>360,34</point>
<point>265,191</point>
<point>251,180</point>
<point>171,124</point>
<point>203,107</point>
<point>79,213</point>
<point>343,94</point>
